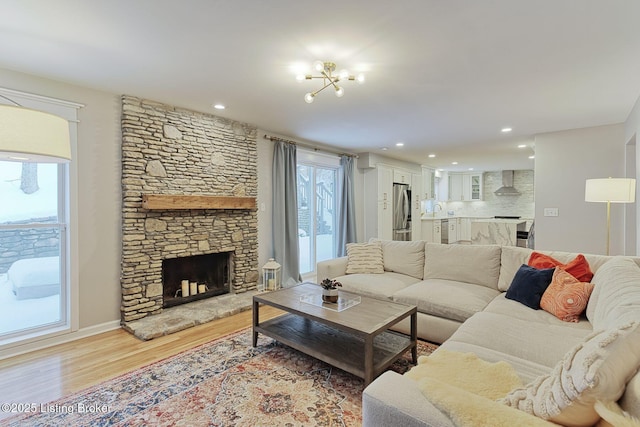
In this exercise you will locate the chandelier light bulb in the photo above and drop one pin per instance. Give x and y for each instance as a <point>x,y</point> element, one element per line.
<point>318,65</point>
<point>344,74</point>
<point>339,91</point>
<point>360,78</point>
<point>300,77</point>
<point>308,98</point>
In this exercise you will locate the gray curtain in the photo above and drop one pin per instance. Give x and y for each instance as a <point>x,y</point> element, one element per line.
<point>346,221</point>
<point>285,212</point>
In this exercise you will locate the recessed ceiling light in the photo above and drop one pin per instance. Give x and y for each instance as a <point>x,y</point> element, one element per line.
<point>532,157</point>
<point>505,130</point>
<point>399,144</point>
<point>384,148</point>
<point>431,156</point>
<point>454,163</point>
<point>470,169</point>
<point>219,106</point>
<point>522,146</point>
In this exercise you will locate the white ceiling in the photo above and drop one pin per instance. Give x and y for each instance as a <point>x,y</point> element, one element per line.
<point>443,76</point>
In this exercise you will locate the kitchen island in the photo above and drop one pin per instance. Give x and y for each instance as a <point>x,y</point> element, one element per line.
<point>494,231</point>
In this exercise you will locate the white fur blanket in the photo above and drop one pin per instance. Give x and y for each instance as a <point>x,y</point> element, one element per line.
<point>465,388</point>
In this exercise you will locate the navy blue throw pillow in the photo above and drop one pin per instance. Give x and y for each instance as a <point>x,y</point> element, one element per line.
<point>529,284</point>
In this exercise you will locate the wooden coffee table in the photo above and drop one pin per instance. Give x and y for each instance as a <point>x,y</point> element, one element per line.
<point>356,339</point>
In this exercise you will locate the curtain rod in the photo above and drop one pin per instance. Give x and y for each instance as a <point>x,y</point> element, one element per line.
<point>301,144</point>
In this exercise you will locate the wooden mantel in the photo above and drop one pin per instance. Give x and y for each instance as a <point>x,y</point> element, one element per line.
<point>173,201</point>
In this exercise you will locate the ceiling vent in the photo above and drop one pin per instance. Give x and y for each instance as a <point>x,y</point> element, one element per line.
<point>507,185</point>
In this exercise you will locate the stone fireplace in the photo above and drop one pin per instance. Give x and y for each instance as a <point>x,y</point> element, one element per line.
<point>199,165</point>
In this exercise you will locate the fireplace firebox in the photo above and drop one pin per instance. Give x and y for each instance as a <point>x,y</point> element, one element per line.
<point>211,274</point>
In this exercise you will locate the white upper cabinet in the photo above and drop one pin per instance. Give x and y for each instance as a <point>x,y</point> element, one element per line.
<point>401,176</point>
<point>428,184</point>
<point>465,186</point>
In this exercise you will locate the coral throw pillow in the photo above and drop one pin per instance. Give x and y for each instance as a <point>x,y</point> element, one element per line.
<point>566,297</point>
<point>577,267</point>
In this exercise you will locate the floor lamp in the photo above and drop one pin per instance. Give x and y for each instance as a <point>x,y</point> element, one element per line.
<point>610,190</point>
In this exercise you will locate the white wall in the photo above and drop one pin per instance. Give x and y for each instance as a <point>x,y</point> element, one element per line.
<point>564,160</point>
<point>99,196</point>
<point>631,132</point>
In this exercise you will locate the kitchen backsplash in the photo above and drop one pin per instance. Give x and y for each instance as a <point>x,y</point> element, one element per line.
<point>492,205</point>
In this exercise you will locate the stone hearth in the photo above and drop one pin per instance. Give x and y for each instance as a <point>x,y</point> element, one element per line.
<point>185,316</point>
<point>169,151</point>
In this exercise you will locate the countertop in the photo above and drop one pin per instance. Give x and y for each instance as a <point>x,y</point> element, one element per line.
<point>477,219</point>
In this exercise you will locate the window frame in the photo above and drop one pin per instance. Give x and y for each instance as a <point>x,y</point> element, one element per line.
<point>67,221</point>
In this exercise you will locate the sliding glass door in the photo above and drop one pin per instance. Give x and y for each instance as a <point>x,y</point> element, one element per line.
<point>316,213</point>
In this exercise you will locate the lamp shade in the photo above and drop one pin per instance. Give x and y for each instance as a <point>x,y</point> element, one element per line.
<point>33,136</point>
<point>614,190</point>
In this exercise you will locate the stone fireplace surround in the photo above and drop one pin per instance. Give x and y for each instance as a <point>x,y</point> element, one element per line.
<point>172,151</point>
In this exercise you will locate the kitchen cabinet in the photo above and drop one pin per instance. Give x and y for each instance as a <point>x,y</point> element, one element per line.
<point>428,183</point>
<point>455,187</point>
<point>472,187</point>
<point>452,225</point>
<point>465,186</point>
<point>464,229</point>
<point>401,176</point>
<point>431,230</point>
<point>416,190</point>
<point>378,203</point>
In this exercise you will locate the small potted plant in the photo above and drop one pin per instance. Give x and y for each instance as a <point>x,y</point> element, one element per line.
<point>330,290</point>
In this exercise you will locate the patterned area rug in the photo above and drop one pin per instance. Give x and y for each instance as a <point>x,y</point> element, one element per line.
<point>222,383</point>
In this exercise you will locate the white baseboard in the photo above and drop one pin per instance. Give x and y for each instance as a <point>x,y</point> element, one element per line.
<point>39,343</point>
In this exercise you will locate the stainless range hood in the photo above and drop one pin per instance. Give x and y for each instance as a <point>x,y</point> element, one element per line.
<point>507,185</point>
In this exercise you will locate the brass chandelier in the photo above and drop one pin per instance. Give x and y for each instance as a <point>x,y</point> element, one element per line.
<point>327,70</point>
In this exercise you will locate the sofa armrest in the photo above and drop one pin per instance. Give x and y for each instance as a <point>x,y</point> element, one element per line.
<point>395,400</point>
<point>331,268</point>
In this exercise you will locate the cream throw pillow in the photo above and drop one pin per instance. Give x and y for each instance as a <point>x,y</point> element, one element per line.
<point>364,258</point>
<point>597,369</point>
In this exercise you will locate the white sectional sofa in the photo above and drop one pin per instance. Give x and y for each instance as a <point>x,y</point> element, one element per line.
<point>460,292</point>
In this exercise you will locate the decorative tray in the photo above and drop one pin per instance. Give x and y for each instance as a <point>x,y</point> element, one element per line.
<point>342,304</point>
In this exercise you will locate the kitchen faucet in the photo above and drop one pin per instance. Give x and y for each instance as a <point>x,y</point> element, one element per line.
<point>437,205</point>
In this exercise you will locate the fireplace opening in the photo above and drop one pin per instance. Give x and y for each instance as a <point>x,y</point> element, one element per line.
<point>206,276</point>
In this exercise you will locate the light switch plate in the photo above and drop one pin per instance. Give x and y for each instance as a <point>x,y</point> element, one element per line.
<point>551,212</point>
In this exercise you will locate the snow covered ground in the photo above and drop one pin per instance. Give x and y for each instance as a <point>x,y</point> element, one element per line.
<point>28,313</point>
<point>15,205</point>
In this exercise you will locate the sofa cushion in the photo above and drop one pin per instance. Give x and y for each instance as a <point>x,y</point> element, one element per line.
<point>364,258</point>
<point>529,285</point>
<point>477,264</point>
<point>403,257</point>
<point>507,307</point>
<point>543,344</point>
<point>511,258</point>
<point>376,285</point>
<point>566,297</point>
<point>526,369</point>
<point>596,369</point>
<point>446,298</point>
<point>577,267</point>
<point>616,296</point>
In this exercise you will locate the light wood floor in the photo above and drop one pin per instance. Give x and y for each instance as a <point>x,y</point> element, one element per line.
<point>48,374</point>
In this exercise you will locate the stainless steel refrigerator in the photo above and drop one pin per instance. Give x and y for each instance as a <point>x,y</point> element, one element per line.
<point>401,212</point>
